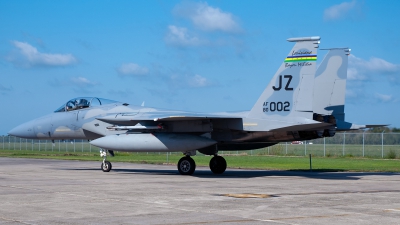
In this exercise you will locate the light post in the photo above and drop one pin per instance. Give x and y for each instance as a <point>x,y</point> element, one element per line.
<point>344,141</point>
<point>363,143</point>
<point>382,142</point>
<point>286,147</point>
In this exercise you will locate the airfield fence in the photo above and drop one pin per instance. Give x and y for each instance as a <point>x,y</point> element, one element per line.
<point>372,145</point>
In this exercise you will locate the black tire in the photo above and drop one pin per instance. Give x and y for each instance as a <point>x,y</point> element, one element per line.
<point>186,166</point>
<point>106,167</point>
<point>218,164</point>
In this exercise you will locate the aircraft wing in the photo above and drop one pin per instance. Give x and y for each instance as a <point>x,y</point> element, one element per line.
<point>129,119</point>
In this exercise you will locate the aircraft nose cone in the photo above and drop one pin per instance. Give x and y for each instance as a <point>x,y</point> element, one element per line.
<point>23,131</point>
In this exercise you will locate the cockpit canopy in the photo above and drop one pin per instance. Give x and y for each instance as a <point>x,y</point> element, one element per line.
<point>83,102</point>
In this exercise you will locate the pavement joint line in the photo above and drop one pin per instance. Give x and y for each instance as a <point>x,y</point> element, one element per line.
<point>339,192</point>
<point>17,221</point>
<point>275,221</point>
<point>210,222</point>
<point>306,217</point>
<point>238,195</point>
<point>395,210</point>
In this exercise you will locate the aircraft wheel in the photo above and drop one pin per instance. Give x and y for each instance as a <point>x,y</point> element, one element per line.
<point>218,164</point>
<point>186,166</point>
<point>106,166</point>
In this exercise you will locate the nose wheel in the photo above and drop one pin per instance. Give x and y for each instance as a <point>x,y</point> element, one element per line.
<point>105,165</point>
<point>218,164</point>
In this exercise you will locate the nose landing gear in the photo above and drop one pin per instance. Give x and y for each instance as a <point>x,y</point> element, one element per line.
<point>105,165</point>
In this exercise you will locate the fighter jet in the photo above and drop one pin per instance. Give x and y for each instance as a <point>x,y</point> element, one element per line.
<point>283,112</point>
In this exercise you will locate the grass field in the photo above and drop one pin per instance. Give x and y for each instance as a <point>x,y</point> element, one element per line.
<point>282,149</point>
<point>268,162</point>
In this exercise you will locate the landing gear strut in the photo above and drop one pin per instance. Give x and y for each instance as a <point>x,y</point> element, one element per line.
<point>217,164</point>
<point>105,165</point>
<point>186,165</point>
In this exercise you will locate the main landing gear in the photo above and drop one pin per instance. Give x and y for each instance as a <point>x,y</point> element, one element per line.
<point>105,165</point>
<point>187,166</point>
<point>218,164</point>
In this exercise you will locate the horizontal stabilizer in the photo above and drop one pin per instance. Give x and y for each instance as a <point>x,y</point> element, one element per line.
<point>376,125</point>
<point>345,126</point>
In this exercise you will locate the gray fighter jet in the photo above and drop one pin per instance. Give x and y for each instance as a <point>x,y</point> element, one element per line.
<point>283,112</point>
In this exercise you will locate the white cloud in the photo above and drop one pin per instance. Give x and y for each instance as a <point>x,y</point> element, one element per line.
<point>353,74</point>
<point>28,56</point>
<point>356,94</point>
<point>82,82</point>
<point>187,81</point>
<point>121,93</point>
<point>351,93</point>
<point>373,64</point>
<point>384,98</point>
<point>132,69</point>
<point>360,69</point>
<point>206,17</point>
<point>179,36</point>
<point>339,11</point>
<point>198,81</point>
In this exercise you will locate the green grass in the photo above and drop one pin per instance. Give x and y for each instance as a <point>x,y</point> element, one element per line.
<point>282,149</point>
<point>332,163</point>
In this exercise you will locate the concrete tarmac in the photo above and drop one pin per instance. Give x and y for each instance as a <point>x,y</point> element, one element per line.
<point>40,191</point>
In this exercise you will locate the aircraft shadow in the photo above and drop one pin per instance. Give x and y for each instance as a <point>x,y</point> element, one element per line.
<point>328,174</point>
<point>203,172</point>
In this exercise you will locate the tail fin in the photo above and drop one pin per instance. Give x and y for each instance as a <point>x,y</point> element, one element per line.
<point>330,83</point>
<point>330,89</point>
<point>290,91</point>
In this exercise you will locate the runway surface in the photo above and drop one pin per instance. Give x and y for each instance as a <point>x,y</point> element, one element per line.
<point>36,191</point>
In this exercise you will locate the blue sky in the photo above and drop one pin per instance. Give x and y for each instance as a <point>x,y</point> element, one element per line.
<point>200,56</point>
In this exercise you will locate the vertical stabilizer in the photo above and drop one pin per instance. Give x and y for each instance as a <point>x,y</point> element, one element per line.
<point>290,92</point>
<point>330,83</point>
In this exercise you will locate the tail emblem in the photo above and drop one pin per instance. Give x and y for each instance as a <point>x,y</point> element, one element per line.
<point>301,58</point>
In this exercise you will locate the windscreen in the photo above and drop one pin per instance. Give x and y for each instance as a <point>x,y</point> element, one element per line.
<point>82,103</point>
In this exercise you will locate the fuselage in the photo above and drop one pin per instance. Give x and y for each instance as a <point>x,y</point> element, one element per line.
<point>92,121</point>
